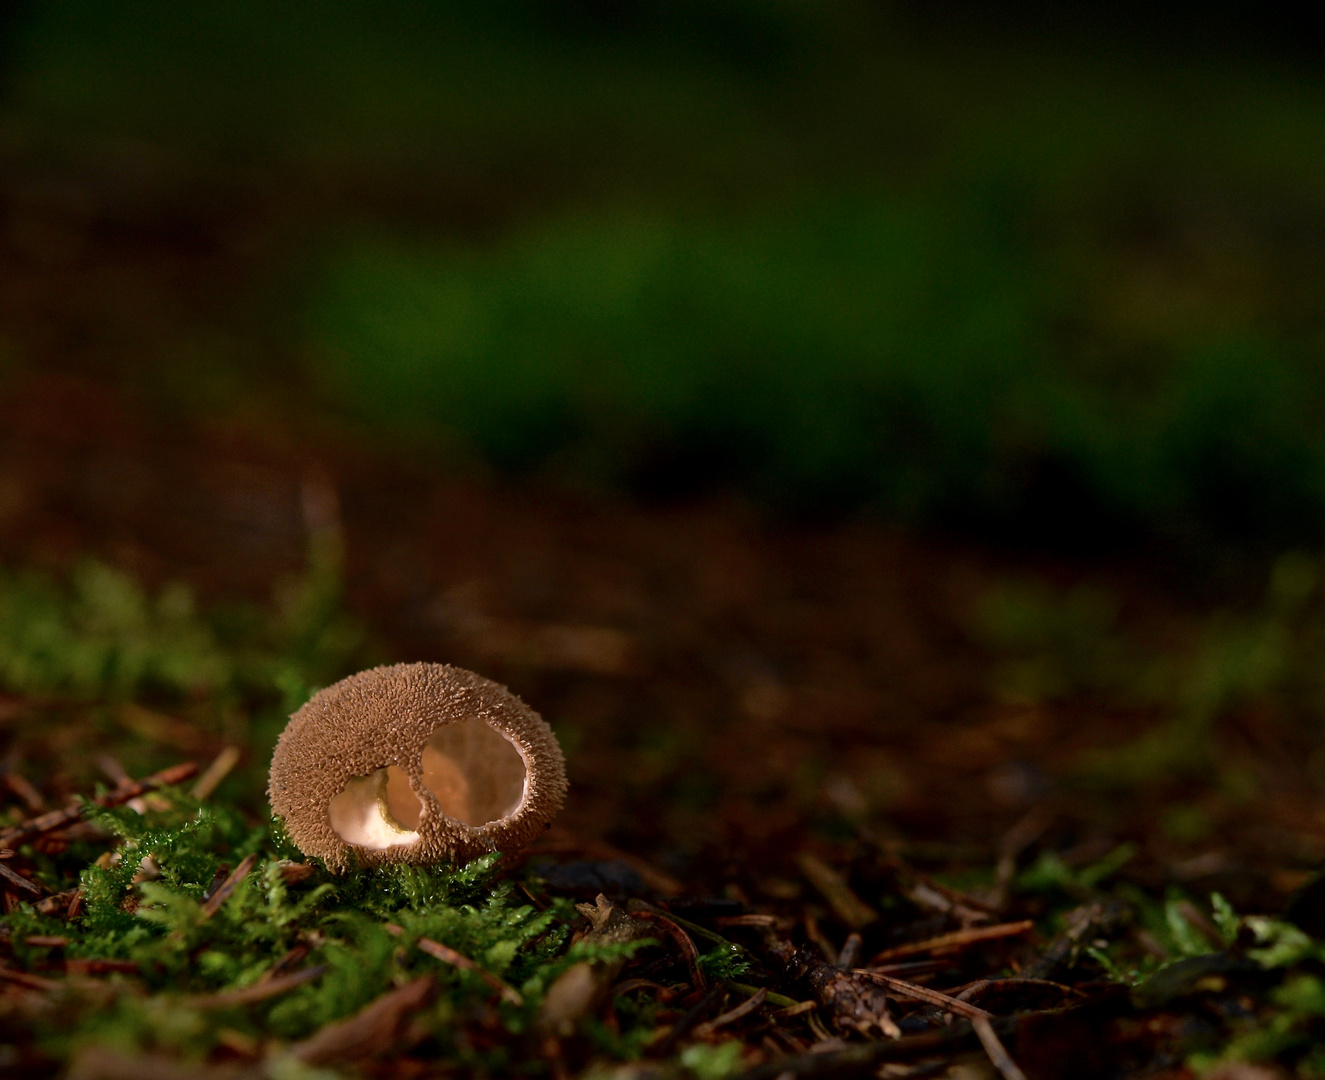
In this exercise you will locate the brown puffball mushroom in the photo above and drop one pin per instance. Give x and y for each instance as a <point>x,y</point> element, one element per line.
<point>415,763</point>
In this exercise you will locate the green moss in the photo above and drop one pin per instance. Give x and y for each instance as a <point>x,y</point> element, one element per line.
<point>183,955</point>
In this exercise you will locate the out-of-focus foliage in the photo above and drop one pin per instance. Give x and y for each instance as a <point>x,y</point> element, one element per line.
<point>850,350</point>
<point>98,635</point>
<point>1070,645</point>
<point>768,245</point>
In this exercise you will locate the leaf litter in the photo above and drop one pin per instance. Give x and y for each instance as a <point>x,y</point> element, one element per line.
<point>161,927</point>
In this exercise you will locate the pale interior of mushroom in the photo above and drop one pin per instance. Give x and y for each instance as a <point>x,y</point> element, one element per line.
<point>476,773</point>
<point>376,811</point>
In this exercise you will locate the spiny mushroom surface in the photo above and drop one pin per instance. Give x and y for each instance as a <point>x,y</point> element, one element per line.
<point>415,763</point>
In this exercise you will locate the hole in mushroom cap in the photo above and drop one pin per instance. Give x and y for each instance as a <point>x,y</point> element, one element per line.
<point>377,811</point>
<point>475,771</point>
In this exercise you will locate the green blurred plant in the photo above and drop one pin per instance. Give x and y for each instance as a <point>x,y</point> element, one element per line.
<point>1057,645</point>
<point>98,636</point>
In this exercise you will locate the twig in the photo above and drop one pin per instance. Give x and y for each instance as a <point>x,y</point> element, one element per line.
<point>861,1059</point>
<point>998,1054</point>
<point>59,819</point>
<point>794,1010</point>
<point>381,1023</point>
<point>849,957</point>
<point>974,905</point>
<point>217,771</point>
<point>31,982</point>
<point>21,786</point>
<point>848,907</point>
<point>922,993</point>
<point>958,939</point>
<point>213,903</point>
<point>18,881</point>
<point>690,1020</point>
<point>694,929</point>
<point>746,920</point>
<point>683,942</point>
<point>745,1008</point>
<point>773,999</point>
<point>259,991</point>
<point>100,967</point>
<point>448,955</point>
<point>971,989</point>
<point>1024,832</point>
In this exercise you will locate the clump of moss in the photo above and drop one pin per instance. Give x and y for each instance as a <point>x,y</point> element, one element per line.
<point>283,917</point>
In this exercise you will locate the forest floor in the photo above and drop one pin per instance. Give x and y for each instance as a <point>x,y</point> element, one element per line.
<point>807,762</point>
<point>856,800</point>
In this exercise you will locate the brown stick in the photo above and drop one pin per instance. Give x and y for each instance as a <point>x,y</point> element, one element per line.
<point>213,903</point>
<point>60,819</point>
<point>683,942</point>
<point>848,907</point>
<point>217,771</point>
<point>746,920</point>
<point>861,1059</point>
<point>923,993</point>
<point>22,978</point>
<point>971,989</point>
<point>745,1008</point>
<point>16,881</point>
<point>99,967</point>
<point>998,1055</point>
<point>448,955</point>
<point>958,939</point>
<point>257,992</point>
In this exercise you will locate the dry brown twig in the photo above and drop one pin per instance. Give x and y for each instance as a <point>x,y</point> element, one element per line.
<point>745,1008</point>
<point>259,991</point>
<point>29,982</point>
<point>448,955</point>
<point>217,771</point>
<point>683,942</point>
<point>213,903</point>
<point>376,1027</point>
<point>15,881</point>
<point>56,820</point>
<point>902,988</point>
<point>958,939</point>
<point>848,907</point>
<point>994,1048</point>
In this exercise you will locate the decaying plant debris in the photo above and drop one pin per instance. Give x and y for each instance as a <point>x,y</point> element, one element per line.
<point>183,939</point>
<point>805,868</point>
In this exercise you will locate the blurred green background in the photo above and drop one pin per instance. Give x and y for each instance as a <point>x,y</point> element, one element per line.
<point>1059,283</point>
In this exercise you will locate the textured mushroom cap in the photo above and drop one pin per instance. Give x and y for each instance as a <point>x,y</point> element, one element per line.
<point>348,736</point>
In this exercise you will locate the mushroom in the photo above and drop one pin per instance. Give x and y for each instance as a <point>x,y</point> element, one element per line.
<point>415,763</point>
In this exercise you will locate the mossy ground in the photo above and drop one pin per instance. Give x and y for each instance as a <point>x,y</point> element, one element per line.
<point>144,966</point>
